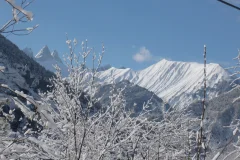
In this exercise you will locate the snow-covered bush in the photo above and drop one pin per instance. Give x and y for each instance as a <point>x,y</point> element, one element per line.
<point>84,129</point>
<point>77,126</point>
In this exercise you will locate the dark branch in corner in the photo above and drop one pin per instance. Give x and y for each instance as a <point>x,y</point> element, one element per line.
<point>229,4</point>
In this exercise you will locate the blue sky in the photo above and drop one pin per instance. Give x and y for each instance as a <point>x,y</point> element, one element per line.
<point>136,33</point>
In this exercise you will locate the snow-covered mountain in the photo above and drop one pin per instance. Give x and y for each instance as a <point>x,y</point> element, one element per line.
<point>48,60</point>
<point>44,54</point>
<point>178,83</point>
<point>21,72</point>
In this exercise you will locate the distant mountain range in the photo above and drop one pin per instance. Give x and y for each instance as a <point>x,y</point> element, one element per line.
<point>178,83</point>
<point>166,83</point>
<point>47,59</point>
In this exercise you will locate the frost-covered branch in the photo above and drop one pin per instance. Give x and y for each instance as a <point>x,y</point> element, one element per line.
<point>87,129</point>
<point>19,15</point>
<point>201,151</point>
<point>77,126</point>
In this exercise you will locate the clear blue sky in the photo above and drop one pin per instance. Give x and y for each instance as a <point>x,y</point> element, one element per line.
<point>172,29</point>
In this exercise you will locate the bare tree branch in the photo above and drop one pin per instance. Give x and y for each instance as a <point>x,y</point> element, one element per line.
<point>25,16</point>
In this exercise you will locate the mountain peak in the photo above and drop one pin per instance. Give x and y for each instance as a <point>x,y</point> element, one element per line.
<point>172,61</point>
<point>45,48</point>
<point>48,59</point>
<point>176,82</point>
<point>44,54</point>
<point>163,60</point>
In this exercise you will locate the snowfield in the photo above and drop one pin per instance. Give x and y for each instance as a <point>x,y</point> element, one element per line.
<point>175,82</point>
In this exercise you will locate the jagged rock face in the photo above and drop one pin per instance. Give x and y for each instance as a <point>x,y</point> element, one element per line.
<point>48,60</point>
<point>22,72</point>
<point>44,54</point>
<point>179,83</point>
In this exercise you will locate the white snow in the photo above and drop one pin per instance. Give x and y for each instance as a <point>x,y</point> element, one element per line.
<point>235,131</point>
<point>43,54</point>
<point>2,68</point>
<point>216,156</point>
<point>173,81</point>
<point>28,14</point>
<point>48,60</point>
<point>49,65</point>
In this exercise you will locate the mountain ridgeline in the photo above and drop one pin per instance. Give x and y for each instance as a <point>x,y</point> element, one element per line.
<point>48,59</point>
<point>178,83</point>
<point>167,84</point>
<point>21,71</point>
<point>135,97</point>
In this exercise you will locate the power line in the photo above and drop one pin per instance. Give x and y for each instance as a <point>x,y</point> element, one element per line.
<point>229,4</point>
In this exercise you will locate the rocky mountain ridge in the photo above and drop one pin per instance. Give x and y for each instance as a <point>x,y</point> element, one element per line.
<point>48,59</point>
<point>21,71</point>
<point>178,83</point>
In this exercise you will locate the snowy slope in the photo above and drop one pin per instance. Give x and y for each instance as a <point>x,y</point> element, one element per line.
<point>117,74</point>
<point>21,72</point>
<point>178,83</point>
<point>48,60</point>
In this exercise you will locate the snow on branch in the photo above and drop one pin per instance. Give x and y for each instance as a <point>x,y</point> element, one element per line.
<point>20,14</point>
